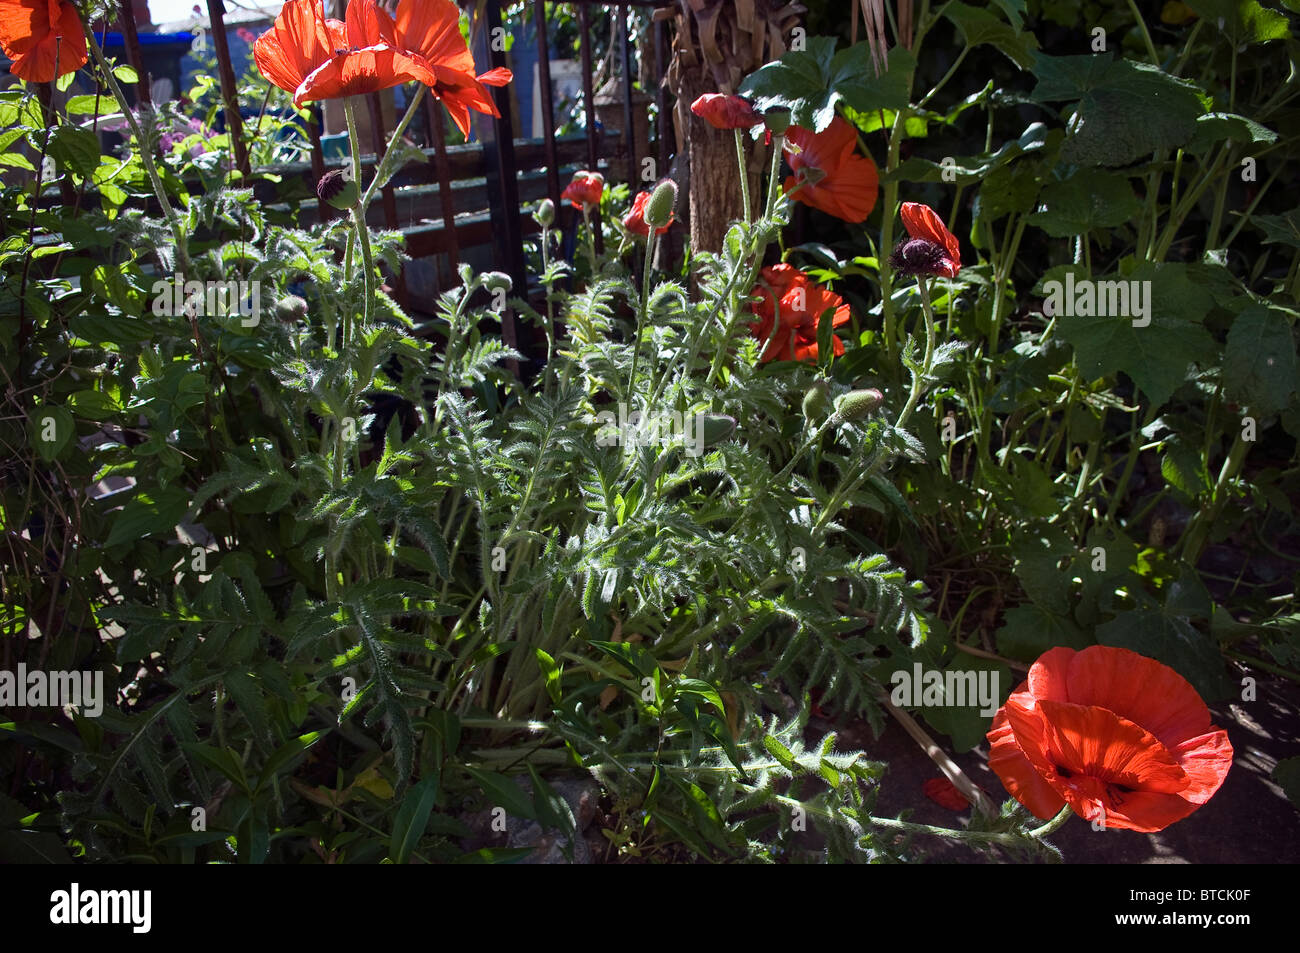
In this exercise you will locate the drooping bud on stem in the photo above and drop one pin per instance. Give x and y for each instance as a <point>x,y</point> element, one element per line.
<point>544,215</point>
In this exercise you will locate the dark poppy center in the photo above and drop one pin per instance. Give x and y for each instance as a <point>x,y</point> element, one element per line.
<point>918,256</point>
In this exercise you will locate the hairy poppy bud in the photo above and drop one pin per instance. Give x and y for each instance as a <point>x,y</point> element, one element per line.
<point>494,280</point>
<point>777,120</point>
<point>659,210</point>
<point>716,427</point>
<point>291,309</point>
<point>856,404</point>
<point>544,214</point>
<point>336,191</point>
<point>816,402</point>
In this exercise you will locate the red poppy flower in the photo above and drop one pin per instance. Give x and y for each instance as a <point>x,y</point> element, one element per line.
<point>366,62</point>
<point>828,173</point>
<point>932,249</point>
<point>635,221</point>
<point>37,33</point>
<point>944,793</point>
<point>430,30</point>
<point>300,41</point>
<point>1119,737</point>
<point>585,189</point>
<point>801,304</point>
<point>726,112</point>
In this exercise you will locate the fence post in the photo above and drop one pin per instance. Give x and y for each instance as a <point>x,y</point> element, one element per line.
<point>229,91</point>
<point>498,140</point>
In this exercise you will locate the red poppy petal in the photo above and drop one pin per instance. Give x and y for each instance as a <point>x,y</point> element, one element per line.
<point>1019,776</point>
<point>368,25</point>
<point>362,71</point>
<point>432,29</point>
<point>921,221</point>
<point>1207,760</point>
<point>496,77</point>
<point>944,793</point>
<point>1140,689</point>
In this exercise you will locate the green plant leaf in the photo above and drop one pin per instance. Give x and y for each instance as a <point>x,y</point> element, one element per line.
<point>1088,200</point>
<point>1126,110</point>
<point>412,817</point>
<point>1259,363</point>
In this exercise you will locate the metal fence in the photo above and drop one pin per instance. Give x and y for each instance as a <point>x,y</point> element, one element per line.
<point>505,161</point>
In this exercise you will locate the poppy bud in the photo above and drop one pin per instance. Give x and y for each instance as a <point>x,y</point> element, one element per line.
<point>337,191</point>
<point>816,402</point>
<point>715,427</point>
<point>856,404</point>
<point>659,210</point>
<point>777,120</point>
<point>494,280</point>
<point>544,214</point>
<point>291,309</point>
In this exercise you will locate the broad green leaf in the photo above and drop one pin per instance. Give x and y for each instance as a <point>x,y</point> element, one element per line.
<point>1282,229</point>
<point>1088,200</point>
<point>148,513</point>
<point>1030,630</point>
<point>1126,110</point>
<point>1173,640</point>
<point>501,791</point>
<point>1287,775</point>
<point>979,26</point>
<point>1242,21</point>
<point>50,430</point>
<point>1157,356</point>
<point>1259,363</point>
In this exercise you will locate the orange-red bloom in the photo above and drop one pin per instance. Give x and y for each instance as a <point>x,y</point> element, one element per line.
<point>430,30</point>
<point>787,291</point>
<point>726,112</point>
<point>933,250</point>
<point>1119,737</point>
<point>635,221</point>
<point>317,58</point>
<point>43,38</point>
<point>585,189</point>
<point>828,174</point>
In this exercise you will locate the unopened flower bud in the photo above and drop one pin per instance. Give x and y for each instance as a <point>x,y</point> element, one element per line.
<point>291,309</point>
<point>816,402</point>
<point>659,210</point>
<point>337,191</point>
<point>544,214</point>
<point>856,404</point>
<point>715,428</point>
<point>777,120</point>
<point>497,280</point>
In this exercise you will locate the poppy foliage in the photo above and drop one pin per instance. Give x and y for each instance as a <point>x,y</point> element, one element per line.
<point>1122,739</point>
